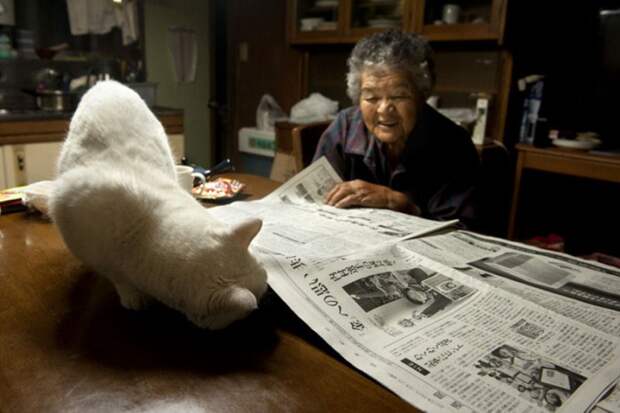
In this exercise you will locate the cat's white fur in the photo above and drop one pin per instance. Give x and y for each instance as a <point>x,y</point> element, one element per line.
<point>121,211</point>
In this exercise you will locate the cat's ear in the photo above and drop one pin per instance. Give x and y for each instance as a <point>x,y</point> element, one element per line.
<point>245,232</point>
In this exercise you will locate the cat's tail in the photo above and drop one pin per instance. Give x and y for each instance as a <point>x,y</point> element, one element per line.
<point>99,212</point>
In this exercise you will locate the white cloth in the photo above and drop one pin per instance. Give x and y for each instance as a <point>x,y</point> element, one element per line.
<point>101,16</point>
<point>314,108</point>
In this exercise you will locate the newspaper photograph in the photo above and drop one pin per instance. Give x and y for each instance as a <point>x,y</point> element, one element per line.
<point>563,274</point>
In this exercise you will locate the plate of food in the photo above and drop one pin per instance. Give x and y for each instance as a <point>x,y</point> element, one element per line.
<point>218,189</point>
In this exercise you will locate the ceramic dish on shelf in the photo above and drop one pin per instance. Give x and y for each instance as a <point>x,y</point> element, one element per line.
<point>579,144</point>
<point>218,189</point>
<point>310,23</point>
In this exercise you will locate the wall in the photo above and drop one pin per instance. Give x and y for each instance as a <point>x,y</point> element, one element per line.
<point>159,15</point>
<point>268,64</point>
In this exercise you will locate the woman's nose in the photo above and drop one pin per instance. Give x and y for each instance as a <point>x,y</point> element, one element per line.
<point>385,105</point>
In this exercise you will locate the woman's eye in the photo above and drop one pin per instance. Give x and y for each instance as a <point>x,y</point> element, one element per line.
<point>371,99</point>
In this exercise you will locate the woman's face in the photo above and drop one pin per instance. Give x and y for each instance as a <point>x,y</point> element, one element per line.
<point>388,105</point>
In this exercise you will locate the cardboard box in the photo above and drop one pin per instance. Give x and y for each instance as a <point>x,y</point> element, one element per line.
<point>257,142</point>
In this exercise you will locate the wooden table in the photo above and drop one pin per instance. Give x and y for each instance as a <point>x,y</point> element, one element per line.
<point>66,345</point>
<point>560,161</point>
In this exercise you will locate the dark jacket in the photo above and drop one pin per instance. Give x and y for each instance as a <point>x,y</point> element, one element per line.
<point>438,169</point>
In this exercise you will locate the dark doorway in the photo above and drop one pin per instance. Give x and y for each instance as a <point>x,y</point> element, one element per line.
<point>220,82</point>
<point>251,58</point>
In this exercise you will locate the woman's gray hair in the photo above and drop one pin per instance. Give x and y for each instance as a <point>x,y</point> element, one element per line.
<point>392,50</point>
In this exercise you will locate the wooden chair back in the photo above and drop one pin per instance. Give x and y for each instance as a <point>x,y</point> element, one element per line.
<point>305,139</point>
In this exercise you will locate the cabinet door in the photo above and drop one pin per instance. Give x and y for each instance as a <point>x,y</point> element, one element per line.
<point>460,20</point>
<point>316,21</point>
<point>28,163</point>
<point>344,21</point>
<point>3,183</point>
<point>177,145</point>
<point>368,16</point>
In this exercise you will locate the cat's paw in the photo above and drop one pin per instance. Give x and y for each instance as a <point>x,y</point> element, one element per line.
<point>131,298</point>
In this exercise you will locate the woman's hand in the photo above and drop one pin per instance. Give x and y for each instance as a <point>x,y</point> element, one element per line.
<point>364,194</point>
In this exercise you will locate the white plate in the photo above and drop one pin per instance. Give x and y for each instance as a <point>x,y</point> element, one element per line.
<point>576,144</point>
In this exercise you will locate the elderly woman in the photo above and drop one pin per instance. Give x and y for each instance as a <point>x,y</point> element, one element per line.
<point>391,148</point>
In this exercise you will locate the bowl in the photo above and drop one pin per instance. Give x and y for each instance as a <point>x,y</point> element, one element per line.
<point>310,23</point>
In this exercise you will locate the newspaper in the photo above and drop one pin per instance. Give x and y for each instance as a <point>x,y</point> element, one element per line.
<point>448,320</point>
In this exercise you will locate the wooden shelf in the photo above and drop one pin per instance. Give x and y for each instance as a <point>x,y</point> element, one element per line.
<point>493,79</point>
<point>412,14</point>
<point>452,32</point>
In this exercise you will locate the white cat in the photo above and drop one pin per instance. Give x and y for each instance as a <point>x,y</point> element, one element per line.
<point>120,210</point>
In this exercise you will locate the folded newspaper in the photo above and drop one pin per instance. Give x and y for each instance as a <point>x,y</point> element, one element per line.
<point>449,320</point>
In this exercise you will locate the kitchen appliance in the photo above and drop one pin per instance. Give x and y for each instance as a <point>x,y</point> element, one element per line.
<point>54,100</point>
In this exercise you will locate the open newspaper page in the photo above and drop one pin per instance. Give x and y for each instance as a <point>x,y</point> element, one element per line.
<point>449,322</point>
<point>322,232</point>
<point>583,290</point>
<point>308,186</point>
<point>295,218</point>
<point>442,340</point>
<point>610,402</point>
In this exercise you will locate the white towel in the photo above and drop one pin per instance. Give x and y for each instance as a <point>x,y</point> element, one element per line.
<point>127,19</point>
<point>100,16</point>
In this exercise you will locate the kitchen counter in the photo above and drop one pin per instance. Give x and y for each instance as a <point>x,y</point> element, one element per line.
<point>33,126</point>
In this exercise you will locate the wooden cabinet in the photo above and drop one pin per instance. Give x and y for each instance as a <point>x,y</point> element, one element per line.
<point>346,21</point>
<point>470,62</point>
